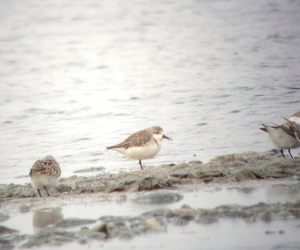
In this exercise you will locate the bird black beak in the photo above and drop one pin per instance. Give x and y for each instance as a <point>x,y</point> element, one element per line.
<point>166,137</point>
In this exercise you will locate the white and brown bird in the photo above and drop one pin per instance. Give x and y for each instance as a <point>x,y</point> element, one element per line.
<point>44,172</point>
<point>282,137</point>
<point>142,145</point>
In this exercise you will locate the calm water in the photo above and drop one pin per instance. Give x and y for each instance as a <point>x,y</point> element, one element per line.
<point>224,234</point>
<point>77,76</point>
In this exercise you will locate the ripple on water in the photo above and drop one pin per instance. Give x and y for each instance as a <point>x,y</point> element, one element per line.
<point>128,77</point>
<point>201,124</point>
<point>235,111</point>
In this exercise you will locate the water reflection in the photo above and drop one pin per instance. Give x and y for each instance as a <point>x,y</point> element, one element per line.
<point>292,191</point>
<point>44,217</point>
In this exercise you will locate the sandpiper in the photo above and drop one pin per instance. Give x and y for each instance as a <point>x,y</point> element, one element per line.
<point>142,145</point>
<point>282,137</point>
<point>44,172</point>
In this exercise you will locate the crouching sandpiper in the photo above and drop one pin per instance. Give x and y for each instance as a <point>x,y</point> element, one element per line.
<point>142,145</point>
<point>44,172</point>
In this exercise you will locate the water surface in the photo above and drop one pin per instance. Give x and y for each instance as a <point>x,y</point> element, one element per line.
<point>230,233</point>
<point>78,76</point>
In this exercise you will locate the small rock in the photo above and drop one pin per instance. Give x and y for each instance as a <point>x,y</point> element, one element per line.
<point>111,218</point>
<point>266,216</point>
<point>118,229</point>
<point>171,165</point>
<point>74,222</point>
<point>294,209</point>
<point>50,238</point>
<point>245,174</point>
<point>208,174</point>
<point>159,198</point>
<point>183,175</point>
<point>152,224</point>
<point>116,187</point>
<point>102,228</point>
<point>186,206</point>
<point>151,183</point>
<point>198,163</point>
<point>62,188</point>
<point>186,213</point>
<point>159,213</point>
<point>208,180</point>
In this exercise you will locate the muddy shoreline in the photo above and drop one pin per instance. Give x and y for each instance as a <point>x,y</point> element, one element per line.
<point>158,190</point>
<point>222,169</point>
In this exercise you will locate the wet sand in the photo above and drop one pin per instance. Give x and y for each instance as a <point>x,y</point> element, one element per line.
<point>234,201</point>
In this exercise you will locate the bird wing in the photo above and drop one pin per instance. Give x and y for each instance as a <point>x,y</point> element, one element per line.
<point>137,139</point>
<point>286,128</point>
<point>45,167</point>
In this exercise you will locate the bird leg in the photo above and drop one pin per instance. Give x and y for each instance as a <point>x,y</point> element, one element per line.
<point>289,150</point>
<point>140,162</point>
<point>281,151</point>
<point>46,191</point>
<point>39,193</point>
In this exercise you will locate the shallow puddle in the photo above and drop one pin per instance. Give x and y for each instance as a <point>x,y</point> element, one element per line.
<point>31,215</point>
<point>226,234</point>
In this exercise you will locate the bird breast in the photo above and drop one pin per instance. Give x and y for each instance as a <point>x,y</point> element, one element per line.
<point>281,139</point>
<point>147,151</point>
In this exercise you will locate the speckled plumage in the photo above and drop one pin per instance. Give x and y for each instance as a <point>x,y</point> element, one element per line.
<point>139,138</point>
<point>295,127</point>
<point>44,172</point>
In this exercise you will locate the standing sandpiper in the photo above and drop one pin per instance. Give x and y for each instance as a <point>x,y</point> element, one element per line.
<point>282,136</point>
<point>44,172</point>
<point>142,145</point>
